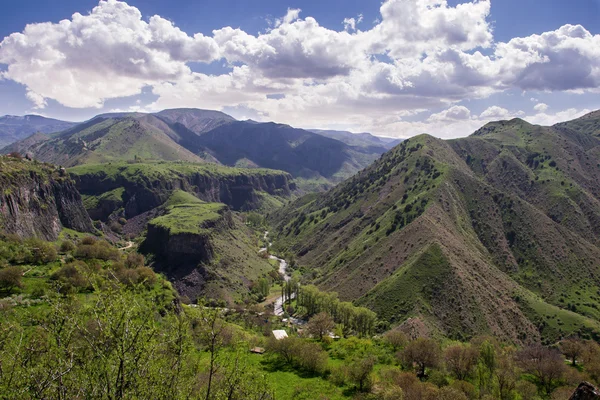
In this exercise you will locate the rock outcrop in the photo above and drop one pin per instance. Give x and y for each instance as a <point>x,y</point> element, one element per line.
<point>147,186</point>
<point>585,391</point>
<point>39,200</point>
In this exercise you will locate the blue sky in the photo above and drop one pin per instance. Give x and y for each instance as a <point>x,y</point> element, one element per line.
<point>396,68</point>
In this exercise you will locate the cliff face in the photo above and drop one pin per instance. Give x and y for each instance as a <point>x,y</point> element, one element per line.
<point>147,186</point>
<point>204,249</point>
<point>186,247</point>
<point>38,200</point>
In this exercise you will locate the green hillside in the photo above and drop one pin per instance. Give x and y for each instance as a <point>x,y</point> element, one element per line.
<point>496,233</point>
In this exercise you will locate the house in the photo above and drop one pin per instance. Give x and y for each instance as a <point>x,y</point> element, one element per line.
<point>280,334</point>
<point>257,350</point>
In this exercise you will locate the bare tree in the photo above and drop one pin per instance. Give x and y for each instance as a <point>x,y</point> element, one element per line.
<point>320,325</point>
<point>460,360</point>
<point>424,353</point>
<point>545,364</point>
<point>572,349</point>
<point>395,339</point>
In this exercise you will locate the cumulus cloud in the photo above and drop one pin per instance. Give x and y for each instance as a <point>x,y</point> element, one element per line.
<point>541,107</point>
<point>419,55</point>
<point>109,53</point>
<point>454,113</point>
<point>38,101</point>
<point>495,112</point>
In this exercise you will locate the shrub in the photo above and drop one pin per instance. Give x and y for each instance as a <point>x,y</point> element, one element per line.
<point>11,278</point>
<point>41,252</point>
<point>67,247</point>
<point>70,278</point>
<point>135,260</point>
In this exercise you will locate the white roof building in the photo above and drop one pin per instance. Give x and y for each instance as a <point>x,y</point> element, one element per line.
<point>280,334</point>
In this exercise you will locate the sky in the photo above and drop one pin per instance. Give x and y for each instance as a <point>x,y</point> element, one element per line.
<point>394,68</point>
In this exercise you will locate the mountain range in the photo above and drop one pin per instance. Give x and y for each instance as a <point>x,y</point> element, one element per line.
<point>194,135</point>
<point>496,233</point>
<point>14,128</point>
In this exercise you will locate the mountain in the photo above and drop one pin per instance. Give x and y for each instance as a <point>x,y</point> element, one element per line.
<point>202,135</point>
<point>363,140</point>
<point>109,137</point>
<point>197,121</point>
<point>38,200</point>
<point>13,128</point>
<point>302,153</point>
<point>496,233</point>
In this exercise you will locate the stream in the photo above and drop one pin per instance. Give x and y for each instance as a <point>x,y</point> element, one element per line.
<point>278,306</point>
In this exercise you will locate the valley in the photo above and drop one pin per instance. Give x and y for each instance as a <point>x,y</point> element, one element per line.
<point>487,243</point>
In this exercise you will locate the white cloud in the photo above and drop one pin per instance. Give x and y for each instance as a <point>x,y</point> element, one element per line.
<point>544,119</point>
<point>421,54</point>
<point>291,15</point>
<point>541,107</point>
<point>495,112</point>
<point>350,23</point>
<point>38,100</point>
<point>454,113</point>
<point>109,53</point>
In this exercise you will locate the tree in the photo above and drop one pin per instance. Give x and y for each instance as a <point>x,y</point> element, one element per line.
<point>572,349</point>
<point>320,325</point>
<point>449,393</point>
<point>359,372</point>
<point>395,339</point>
<point>424,353</point>
<point>10,278</point>
<point>506,374</point>
<point>213,334</point>
<point>545,364</point>
<point>460,360</point>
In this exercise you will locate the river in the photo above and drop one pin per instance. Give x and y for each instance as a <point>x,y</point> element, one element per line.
<point>278,306</point>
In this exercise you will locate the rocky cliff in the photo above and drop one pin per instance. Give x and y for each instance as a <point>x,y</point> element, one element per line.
<point>204,249</point>
<point>138,188</point>
<point>39,200</point>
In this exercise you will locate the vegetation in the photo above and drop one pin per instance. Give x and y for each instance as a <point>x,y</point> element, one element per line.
<point>189,218</point>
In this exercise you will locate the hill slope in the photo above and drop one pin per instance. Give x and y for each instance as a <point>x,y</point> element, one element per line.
<point>109,138</point>
<point>14,128</point>
<point>495,233</point>
<point>297,151</point>
<point>203,135</point>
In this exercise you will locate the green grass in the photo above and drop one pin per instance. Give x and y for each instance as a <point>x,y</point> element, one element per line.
<point>556,323</point>
<point>189,217</point>
<point>179,197</point>
<point>165,171</point>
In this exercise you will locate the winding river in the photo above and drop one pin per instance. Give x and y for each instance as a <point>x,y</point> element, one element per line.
<point>278,307</point>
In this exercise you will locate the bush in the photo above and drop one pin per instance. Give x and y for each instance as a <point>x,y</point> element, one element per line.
<point>67,247</point>
<point>135,260</point>
<point>116,227</point>
<point>69,278</point>
<point>41,252</point>
<point>11,278</point>
<point>98,249</point>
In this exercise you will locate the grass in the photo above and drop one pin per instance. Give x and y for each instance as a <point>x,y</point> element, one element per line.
<point>189,218</point>
<point>165,171</point>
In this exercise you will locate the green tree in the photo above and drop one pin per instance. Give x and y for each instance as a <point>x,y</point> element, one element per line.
<point>11,278</point>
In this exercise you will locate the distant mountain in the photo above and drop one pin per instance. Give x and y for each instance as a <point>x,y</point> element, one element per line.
<point>197,121</point>
<point>204,135</point>
<point>363,140</point>
<point>13,128</point>
<point>497,233</point>
<point>109,137</point>
<point>299,152</point>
